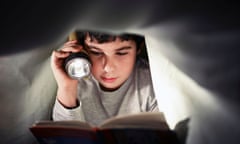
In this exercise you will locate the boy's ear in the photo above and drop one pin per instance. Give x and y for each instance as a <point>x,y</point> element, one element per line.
<point>139,51</point>
<point>142,51</point>
<point>141,45</point>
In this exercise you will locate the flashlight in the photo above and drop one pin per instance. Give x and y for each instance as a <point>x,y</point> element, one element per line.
<point>77,65</point>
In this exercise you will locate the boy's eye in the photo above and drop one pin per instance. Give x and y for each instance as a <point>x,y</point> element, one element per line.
<point>122,53</point>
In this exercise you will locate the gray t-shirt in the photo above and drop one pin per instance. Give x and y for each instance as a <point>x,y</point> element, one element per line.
<point>134,96</point>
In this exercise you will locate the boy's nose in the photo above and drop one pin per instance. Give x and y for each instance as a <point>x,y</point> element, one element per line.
<point>108,65</point>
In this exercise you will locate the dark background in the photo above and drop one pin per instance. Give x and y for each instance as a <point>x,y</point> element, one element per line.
<point>206,35</point>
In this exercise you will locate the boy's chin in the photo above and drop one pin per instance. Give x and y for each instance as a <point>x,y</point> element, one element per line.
<point>109,89</point>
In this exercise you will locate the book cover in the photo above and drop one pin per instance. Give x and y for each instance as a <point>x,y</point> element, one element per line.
<point>142,128</point>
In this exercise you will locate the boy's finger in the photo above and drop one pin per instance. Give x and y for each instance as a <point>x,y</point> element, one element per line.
<point>72,48</point>
<point>71,42</point>
<point>60,54</point>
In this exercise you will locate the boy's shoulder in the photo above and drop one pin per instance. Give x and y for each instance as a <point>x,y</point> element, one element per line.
<point>143,79</point>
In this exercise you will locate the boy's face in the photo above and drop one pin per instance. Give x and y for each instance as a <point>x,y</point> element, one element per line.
<point>112,62</point>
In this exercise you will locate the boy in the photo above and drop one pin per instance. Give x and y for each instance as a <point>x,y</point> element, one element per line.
<point>120,81</point>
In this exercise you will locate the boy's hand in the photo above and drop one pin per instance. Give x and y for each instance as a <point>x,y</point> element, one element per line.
<point>67,87</point>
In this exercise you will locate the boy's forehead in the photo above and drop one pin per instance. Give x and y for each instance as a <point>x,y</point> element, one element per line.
<point>113,45</point>
<point>118,40</point>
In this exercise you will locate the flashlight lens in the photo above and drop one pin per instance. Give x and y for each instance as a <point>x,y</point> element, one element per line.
<point>78,68</point>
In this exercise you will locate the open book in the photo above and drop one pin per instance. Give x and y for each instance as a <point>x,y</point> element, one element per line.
<point>142,128</point>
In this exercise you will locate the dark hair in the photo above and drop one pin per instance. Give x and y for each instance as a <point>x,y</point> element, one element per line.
<point>101,37</point>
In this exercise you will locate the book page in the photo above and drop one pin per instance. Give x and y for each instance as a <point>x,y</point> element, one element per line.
<point>148,120</point>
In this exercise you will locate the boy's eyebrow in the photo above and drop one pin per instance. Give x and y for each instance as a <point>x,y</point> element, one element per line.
<point>124,48</point>
<point>118,49</point>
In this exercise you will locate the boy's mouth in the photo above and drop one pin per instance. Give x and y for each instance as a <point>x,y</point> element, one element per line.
<point>108,79</point>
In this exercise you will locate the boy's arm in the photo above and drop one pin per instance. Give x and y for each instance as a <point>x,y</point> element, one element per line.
<point>61,112</point>
<point>67,87</point>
